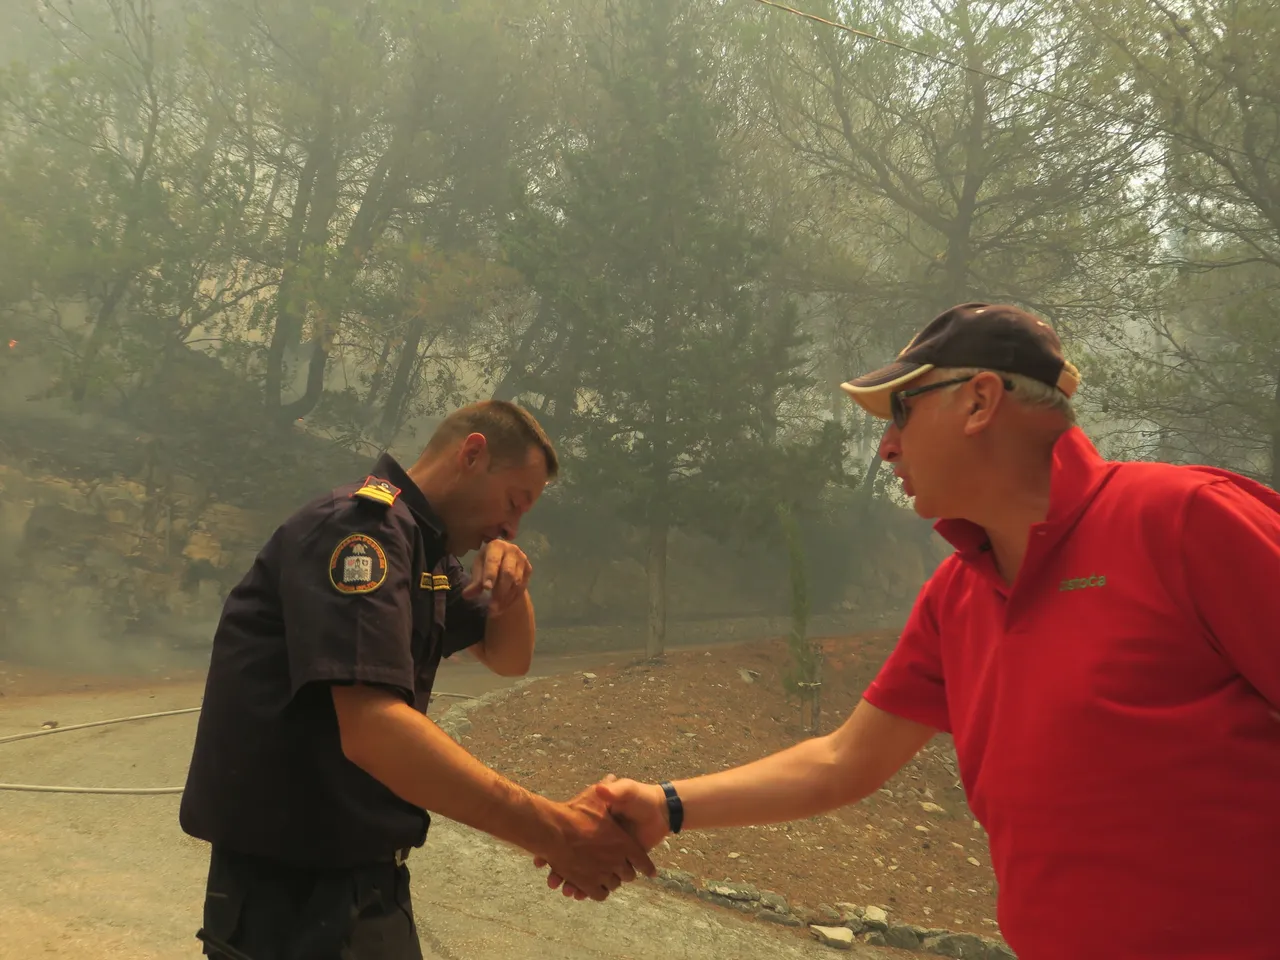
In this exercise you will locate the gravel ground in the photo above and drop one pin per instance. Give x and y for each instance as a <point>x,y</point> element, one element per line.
<point>912,848</point>
<point>113,878</point>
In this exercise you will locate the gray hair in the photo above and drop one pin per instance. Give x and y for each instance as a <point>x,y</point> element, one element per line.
<point>1028,392</point>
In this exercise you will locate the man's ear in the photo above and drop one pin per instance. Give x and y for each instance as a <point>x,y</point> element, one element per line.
<point>985,393</point>
<point>473,449</point>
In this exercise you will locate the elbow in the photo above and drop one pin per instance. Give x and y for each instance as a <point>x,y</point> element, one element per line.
<point>844,780</point>
<point>355,744</point>
<point>518,668</point>
<point>353,748</point>
<point>503,660</point>
<point>834,784</point>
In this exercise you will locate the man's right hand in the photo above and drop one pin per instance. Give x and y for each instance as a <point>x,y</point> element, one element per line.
<point>593,853</point>
<point>639,807</point>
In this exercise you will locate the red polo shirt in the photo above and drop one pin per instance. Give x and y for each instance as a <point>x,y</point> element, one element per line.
<point>1116,711</point>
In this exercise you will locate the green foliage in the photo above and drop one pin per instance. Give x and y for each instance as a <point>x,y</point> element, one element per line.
<point>1201,384</point>
<point>958,186</point>
<point>677,351</point>
<point>671,228</point>
<point>1201,377</point>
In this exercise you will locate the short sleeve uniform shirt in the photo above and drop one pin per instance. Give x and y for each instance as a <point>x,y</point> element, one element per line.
<point>355,587</point>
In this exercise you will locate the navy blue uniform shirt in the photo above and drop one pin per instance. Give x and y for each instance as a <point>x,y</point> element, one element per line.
<point>355,587</point>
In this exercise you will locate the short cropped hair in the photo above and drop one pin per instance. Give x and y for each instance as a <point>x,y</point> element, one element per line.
<point>510,431</point>
<point>1028,392</point>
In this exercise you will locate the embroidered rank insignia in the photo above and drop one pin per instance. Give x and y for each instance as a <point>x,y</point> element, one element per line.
<point>358,565</point>
<point>437,581</point>
<point>378,490</point>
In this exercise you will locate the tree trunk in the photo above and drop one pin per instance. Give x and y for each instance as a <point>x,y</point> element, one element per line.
<point>659,525</point>
<point>959,256</point>
<point>516,377</point>
<point>324,205</point>
<point>868,486</point>
<point>105,320</point>
<point>290,303</point>
<point>103,323</point>
<point>379,375</point>
<point>656,637</point>
<point>399,391</point>
<point>381,196</point>
<point>659,504</point>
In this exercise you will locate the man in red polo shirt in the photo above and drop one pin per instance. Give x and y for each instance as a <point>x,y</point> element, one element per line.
<point>1102,646</point>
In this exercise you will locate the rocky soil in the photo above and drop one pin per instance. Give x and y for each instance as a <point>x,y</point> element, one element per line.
<point>913,851</point>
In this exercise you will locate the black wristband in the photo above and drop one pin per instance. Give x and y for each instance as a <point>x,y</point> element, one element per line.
<point>675,807</point>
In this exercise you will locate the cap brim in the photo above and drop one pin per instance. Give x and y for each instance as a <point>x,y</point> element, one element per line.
<point>871,391</point>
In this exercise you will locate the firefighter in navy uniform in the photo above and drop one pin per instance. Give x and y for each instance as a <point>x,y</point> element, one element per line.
<point>314,765</point>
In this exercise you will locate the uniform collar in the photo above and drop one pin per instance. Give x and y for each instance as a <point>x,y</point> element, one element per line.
<point>387,468</point>
<point>1077,474</point>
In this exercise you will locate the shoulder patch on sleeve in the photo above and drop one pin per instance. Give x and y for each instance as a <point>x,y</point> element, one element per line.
<point>358,565</point>
<point>378,490</point>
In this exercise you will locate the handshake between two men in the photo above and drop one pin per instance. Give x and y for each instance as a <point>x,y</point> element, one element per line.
<point>614,825</point>
<point>603,835</point>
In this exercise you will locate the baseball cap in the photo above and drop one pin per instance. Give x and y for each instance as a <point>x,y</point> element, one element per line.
<point>997,337</point>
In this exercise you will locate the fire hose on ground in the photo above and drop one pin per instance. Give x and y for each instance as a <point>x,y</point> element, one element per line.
<point>134,791</point>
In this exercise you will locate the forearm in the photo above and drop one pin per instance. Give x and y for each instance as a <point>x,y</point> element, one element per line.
<point>810,778</point>
<point>421,764</point>
<point>799,782</point>
<point>507,648</point>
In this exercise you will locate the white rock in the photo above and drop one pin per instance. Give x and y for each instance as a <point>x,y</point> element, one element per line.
<point>875,915</point>
<point>588,676</point>
<point>974,861</point>
<point>839,937</point>
<point>929,807</point>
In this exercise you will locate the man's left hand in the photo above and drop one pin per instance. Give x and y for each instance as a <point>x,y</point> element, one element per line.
<point>502,569</point>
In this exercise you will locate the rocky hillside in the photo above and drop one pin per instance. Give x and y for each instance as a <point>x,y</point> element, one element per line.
<point>117,540</point>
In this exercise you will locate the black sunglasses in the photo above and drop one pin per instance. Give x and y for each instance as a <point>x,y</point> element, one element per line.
<point>899,409</point>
